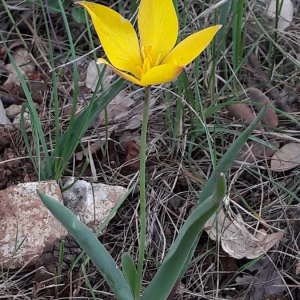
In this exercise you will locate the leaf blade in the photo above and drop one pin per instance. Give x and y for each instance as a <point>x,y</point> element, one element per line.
<point>222,167</point>
<point>175,260</point>
<point>81,124</point>
<point>129,270</point>
<point>94,249</point>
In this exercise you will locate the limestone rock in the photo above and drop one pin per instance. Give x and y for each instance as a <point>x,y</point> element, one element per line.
<point>24,218</point>
<point>17,119</point>
<point>3,118</point>
<point>92,202</point>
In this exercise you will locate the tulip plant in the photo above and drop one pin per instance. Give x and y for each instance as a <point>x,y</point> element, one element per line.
<point>152,59</point>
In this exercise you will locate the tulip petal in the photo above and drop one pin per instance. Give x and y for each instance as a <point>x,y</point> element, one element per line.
<point>117,35</point>
<point>158,27</point>
<point>191,47</point>
<point>120,73</point>
<point>161,74</point>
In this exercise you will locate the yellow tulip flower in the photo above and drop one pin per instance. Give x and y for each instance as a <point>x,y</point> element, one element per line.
<point>153,59</point>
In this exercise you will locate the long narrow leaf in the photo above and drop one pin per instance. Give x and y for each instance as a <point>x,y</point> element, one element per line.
<point>94,249</point>
<point>75,74</point>
<point>129,270</point>
<point>84,120</point>
<point>35,121</point>
<point>105,222</point>
<point>223,166</point>
<point>166,277</point>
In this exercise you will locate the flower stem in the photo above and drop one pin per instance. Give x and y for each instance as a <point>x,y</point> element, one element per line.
<point>142,194</point>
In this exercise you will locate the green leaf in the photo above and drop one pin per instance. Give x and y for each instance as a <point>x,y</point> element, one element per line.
<point>78,15</point>
<point>105,222</point>
<point>129,270</point>
<point>37,130</point>
<point>54,8</point>
<point>82,123</point>
<point>171,268</point>
<point>223,166</point>
<point>90,244</point>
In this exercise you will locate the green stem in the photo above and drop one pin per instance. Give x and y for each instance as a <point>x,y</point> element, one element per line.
<point>142,194</point>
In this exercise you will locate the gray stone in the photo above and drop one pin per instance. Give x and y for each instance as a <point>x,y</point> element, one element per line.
<point>92,202</point>
<point>3,118</point>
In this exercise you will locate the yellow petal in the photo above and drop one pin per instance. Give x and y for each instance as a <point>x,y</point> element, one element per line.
<point>117,35</point>
<point>161,74</point>
<point>158,27</point>
<point>191,47</point>
<point>120,73</point>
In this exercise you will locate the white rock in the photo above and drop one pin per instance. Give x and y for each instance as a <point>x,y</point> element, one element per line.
<point>24,217</point>
<point>3,118</point>
<point>92,202</point>
<point>286,14</point>
<point>17,119</point>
